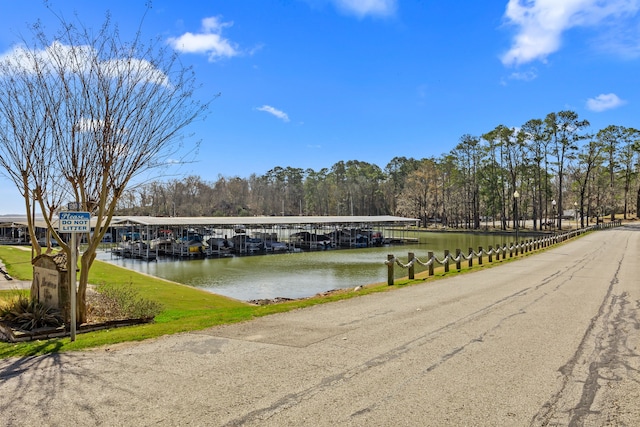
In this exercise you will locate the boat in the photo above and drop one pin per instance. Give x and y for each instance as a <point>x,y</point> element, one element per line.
<point>218,246</point>
<point>311,241</point>
<point>134,249</point>
<point>243,244</point>
<point>190,245</point>
<point>276,246</point>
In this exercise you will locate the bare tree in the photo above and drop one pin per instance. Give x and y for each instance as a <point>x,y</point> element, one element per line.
<point>24,138</point>
<point>103,112</point>
<point>419,197</point>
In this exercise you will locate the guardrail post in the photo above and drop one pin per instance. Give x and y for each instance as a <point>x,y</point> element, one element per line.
<point>490,254</point>
<point>411,266</point>
<point>470,257</point>
<point>458,258</point>
<point>498,250</point>
<point>446,260</point>
<point>479,255</point>
<point>390,263</point>
<point>430,255</point>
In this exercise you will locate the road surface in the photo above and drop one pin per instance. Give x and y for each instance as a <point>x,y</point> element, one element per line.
<point>552,339</point>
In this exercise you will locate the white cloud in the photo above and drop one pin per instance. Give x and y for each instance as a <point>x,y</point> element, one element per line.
<point>274,111</point>
<point>79,59</point>
<point>624,41</point>
<point>136,70</point>
<point>75,59</point>
<point>541,23</point>
<point>208,41</point>
<point>526,76</point>
<point>362,8</point>
<point>603,102</point>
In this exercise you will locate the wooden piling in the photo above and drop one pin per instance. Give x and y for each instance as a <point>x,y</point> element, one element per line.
<point>430,255</point>
<point>411,266</point>
<point>446,260</point>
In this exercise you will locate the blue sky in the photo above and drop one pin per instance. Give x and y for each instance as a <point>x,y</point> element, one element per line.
<point>307,83</point>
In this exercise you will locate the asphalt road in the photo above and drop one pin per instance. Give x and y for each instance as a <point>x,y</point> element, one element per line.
<point>552,339</point>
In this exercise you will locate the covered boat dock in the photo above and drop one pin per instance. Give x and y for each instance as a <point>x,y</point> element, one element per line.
<point>146,237</point>
<point>210,236</point>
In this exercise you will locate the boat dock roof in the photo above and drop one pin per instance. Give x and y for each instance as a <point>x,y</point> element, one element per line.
<point>263,221</point>
<point>229,222</point>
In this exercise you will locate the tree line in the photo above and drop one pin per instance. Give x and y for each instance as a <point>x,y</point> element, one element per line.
<point>543,170</point>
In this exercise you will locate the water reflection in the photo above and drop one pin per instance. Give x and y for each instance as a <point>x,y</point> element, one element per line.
<point>298,275</point>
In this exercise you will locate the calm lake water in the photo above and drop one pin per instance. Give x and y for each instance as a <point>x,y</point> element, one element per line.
<point>301,274</point>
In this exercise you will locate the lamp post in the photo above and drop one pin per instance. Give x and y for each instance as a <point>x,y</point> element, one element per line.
<point>553,208</point>
<point>516,195</point>
<point>575,209</point>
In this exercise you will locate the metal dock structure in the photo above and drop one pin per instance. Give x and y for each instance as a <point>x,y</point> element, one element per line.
<point>189,237</point>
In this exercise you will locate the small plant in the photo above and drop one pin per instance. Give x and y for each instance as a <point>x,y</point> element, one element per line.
<point>121,301</point>
<point>28,314</point>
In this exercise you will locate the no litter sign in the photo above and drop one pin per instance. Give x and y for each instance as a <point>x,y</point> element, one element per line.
<point>75,222</point>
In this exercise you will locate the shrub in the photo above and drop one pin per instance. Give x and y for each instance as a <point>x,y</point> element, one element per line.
<point>28,314</point>
<point>119,302</point>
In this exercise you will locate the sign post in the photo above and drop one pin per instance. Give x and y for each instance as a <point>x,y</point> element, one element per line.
<point>74,223</point>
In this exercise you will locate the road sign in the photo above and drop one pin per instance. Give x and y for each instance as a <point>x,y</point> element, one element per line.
<point>75,222</point>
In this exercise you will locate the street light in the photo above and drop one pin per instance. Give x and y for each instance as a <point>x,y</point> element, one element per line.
<point>553,207</point>
<point>575,209</point>
<point>516,195</point>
